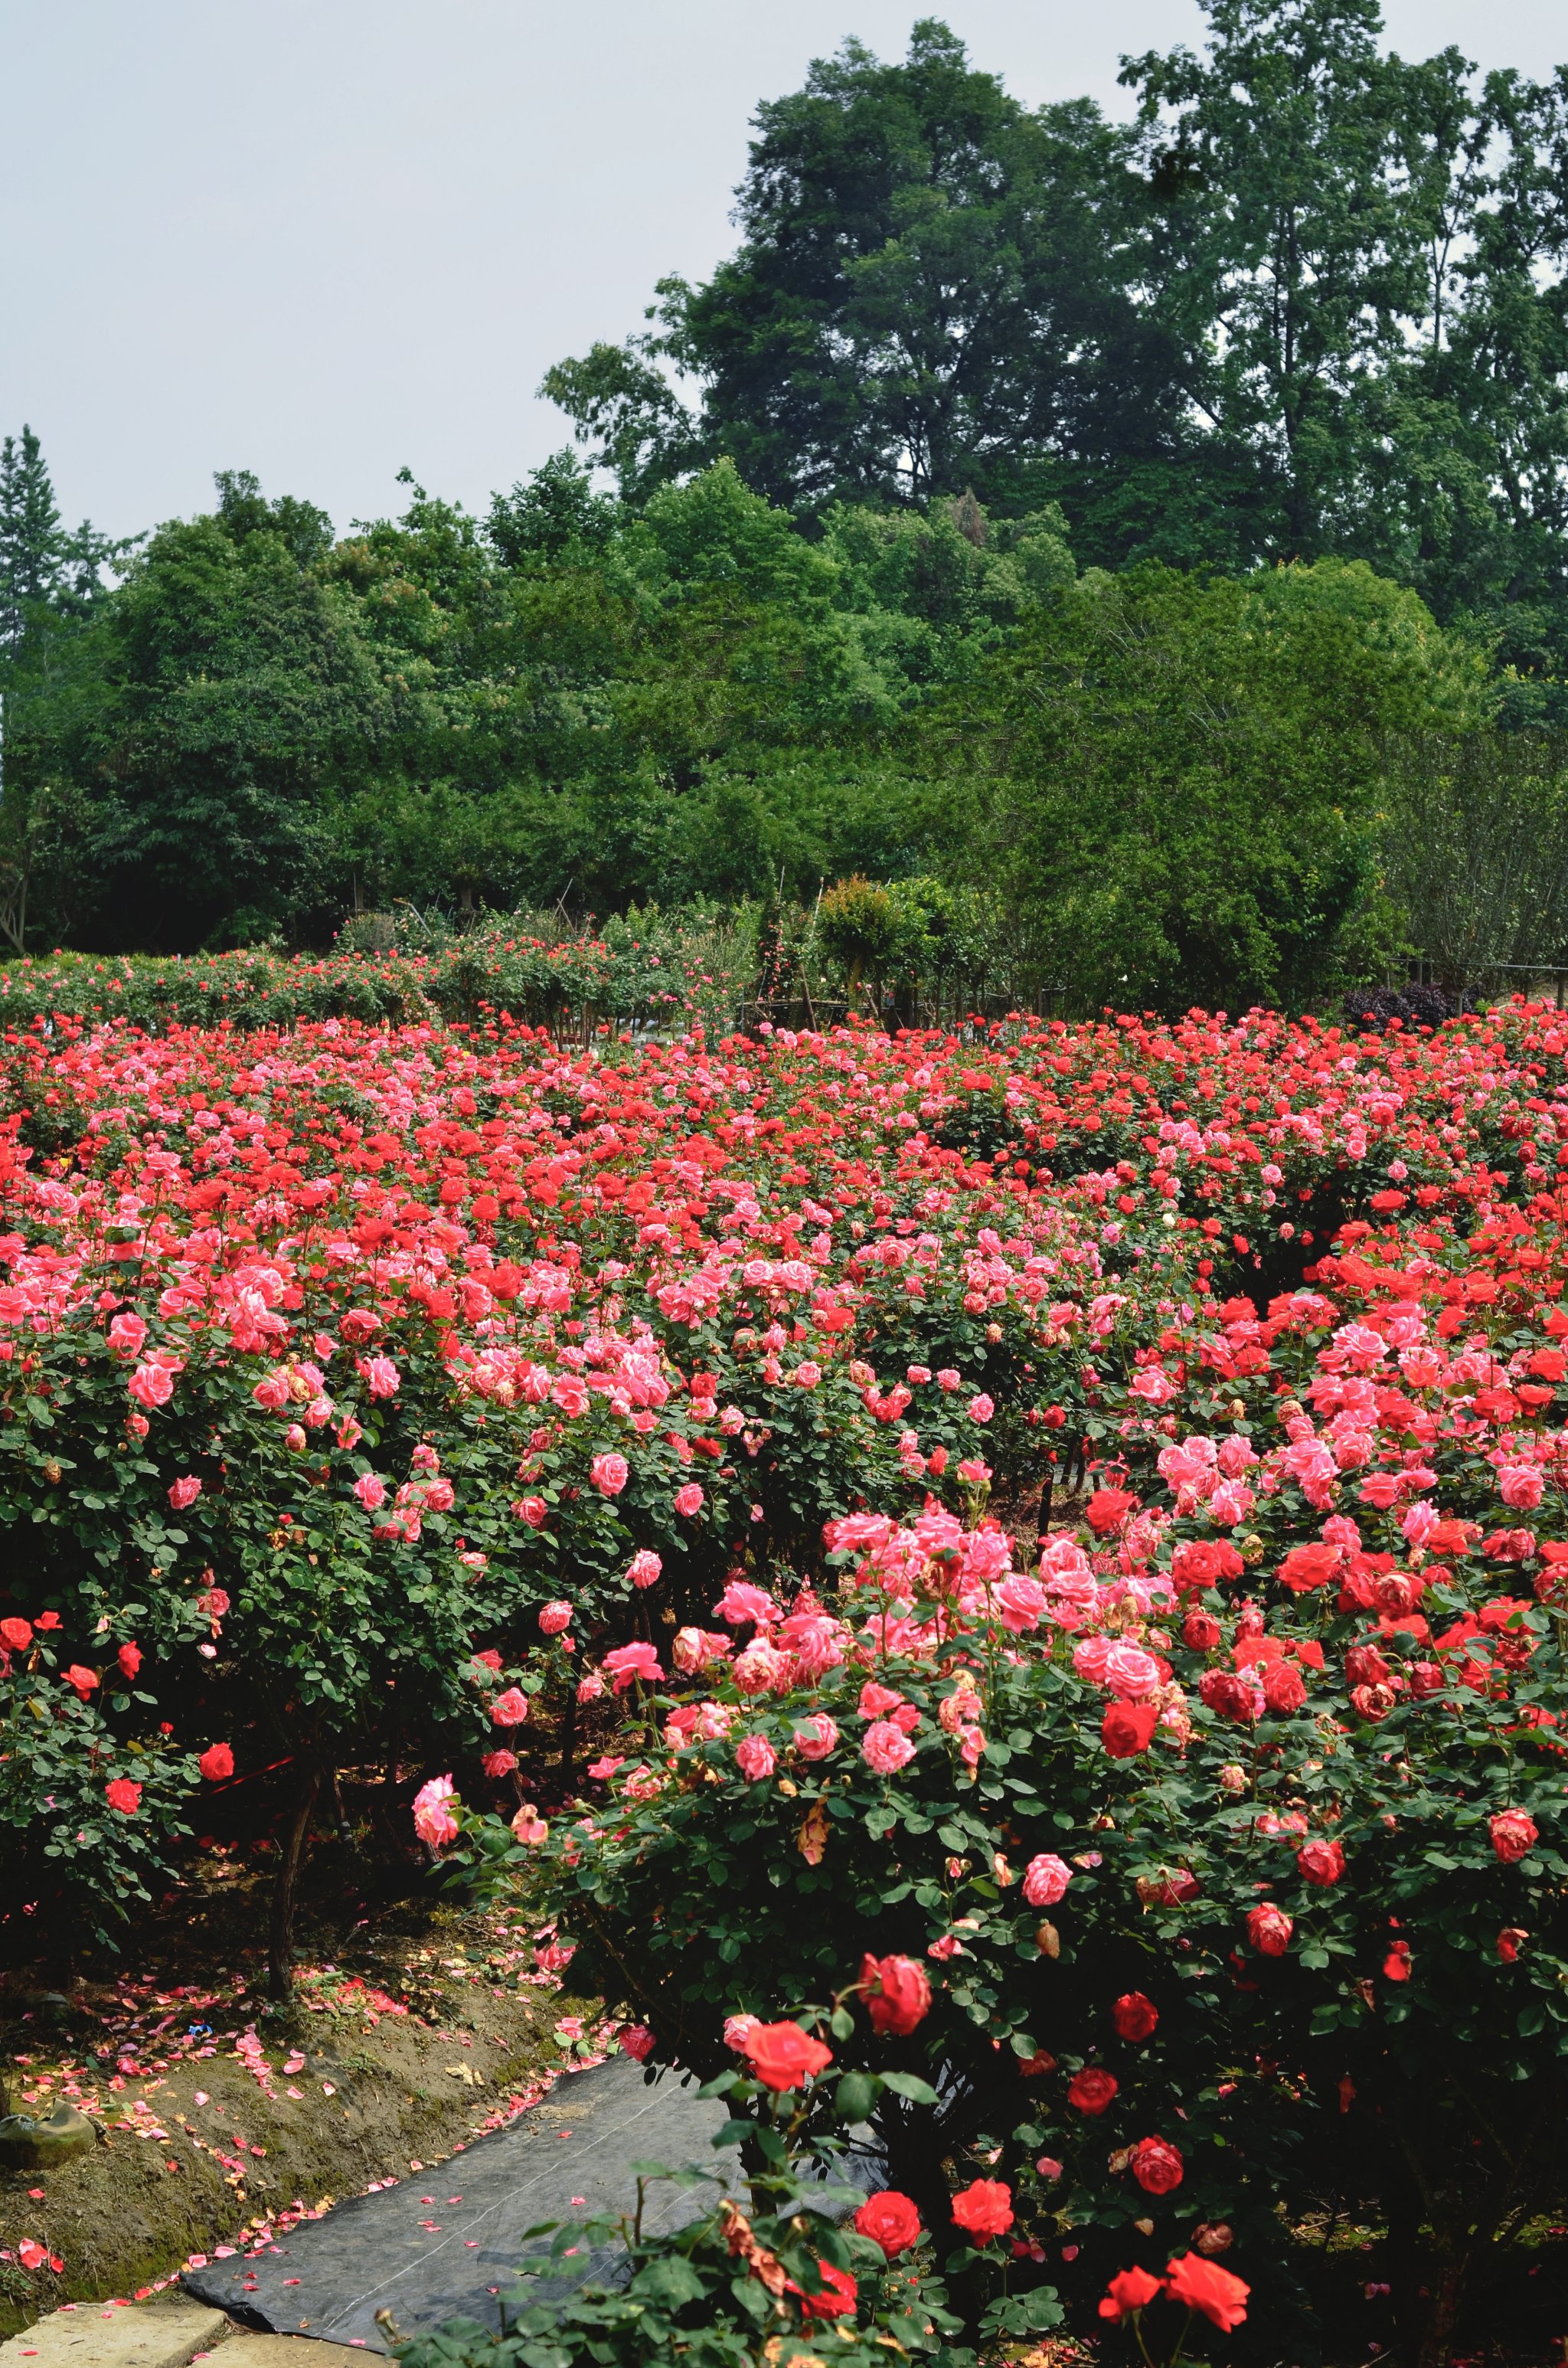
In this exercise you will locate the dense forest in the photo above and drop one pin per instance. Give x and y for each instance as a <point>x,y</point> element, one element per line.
<point>1150,535</point>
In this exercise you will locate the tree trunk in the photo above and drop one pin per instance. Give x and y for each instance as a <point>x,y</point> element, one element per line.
<point>280,1957</point>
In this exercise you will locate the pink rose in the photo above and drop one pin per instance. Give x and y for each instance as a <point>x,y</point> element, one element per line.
<point>1519,1486</point>
<point>756,1757</point>
<point>816,1738</point>
<point>371,1491</point>
<point>152,1385</point>
<point>740,1601</point>
<point>381,1377</point>
<point>433,1821</point>
<point>509,1709</point>
<point>981,1408</point>
<point>531,1509</point>
<point>630,1661</point>
<point>126,1335</point>
<point>609,1474</point>
<point>1131,1673</point>
<point>885,1748</point>
<point>498,1763</point>
<point>1046,1878</point>
<point>689,1500</point>
<point>555,1618</point>
<point>184,1493</point>
<point>645,1567</point>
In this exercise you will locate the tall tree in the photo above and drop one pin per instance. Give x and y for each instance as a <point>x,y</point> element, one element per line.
<point>933,287</point>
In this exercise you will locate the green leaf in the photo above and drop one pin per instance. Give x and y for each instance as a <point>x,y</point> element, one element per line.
<point>910,2085</point>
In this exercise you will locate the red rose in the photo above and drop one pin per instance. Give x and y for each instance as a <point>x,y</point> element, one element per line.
<point>1203,1562</point>
<point>836,2295</point>
<point>216,1762</point>
<point>1127,1728</point>
<point>1321,1863</point>
<point>1205,2286</point>
<point>1270,1931</point>
<point>1157,2166</point>
<point>130,1659</point>
<point>16,1634</point>
<point>1092,2090</point>
<point>1305,1567</point>
<point>1284,1689</point>
<point>1130,2291</point>
<point>1513,1833</point>
<point>1509,1942</point>
<point>896,1992</point>
<point>1365,1666</point>
<point>984,2208</point>
<point>1201,1631</point>
<point>890,2220</point>
<point>1108,1508</point>
<point>124,1796</point>
<point>1231,1695</point>
<point>782,2056</point>
<point>1135,2015</point>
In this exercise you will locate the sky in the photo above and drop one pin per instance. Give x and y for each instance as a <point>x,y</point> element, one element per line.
<point>328,239</point>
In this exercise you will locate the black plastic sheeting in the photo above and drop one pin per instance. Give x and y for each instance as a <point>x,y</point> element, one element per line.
<point>446,2243</point>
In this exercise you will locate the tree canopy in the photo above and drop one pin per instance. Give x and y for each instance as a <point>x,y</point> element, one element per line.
<point>1310,299</point>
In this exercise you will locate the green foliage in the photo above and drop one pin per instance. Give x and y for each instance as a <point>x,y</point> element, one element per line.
<point>1187,807</point>
<point>1212,348</point>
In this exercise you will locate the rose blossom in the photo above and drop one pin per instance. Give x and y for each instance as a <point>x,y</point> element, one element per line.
<point>1092,2090</point>
<point>1135,2016</point>
<point>1270,1931</point>
<point>896,1992</point>
<point>1205,2286</point>
<point>886,1749</point>
<point>816,1738</point>
<point>609,1474</point>
<point>783,2055</point>
<point>890,2220</point>
<point>216,1762</point>
<point>645,1567</point>
<point>1130,2291</point>
<point>689,1500</point>
<point>509,1709</point>
<point>756,1757</point>
<point>985,2208</point>
<point>1046,1879</point>
<point>1157,2166</point>
<point>1321,1863</point>
<point>554,1618</point>
<point>433,1821</point>
<point>1513,1834</point>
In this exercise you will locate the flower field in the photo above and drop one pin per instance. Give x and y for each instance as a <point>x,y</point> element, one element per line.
<point>1032,1565</point>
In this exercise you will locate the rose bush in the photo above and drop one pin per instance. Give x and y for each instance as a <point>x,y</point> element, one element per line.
<point>429,1395</point>
<point>1306,1934</point>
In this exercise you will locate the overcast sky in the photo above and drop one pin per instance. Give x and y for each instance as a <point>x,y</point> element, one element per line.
<point>325,238</point>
